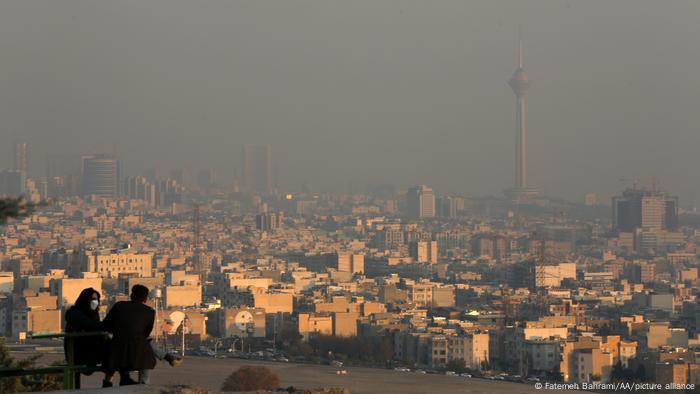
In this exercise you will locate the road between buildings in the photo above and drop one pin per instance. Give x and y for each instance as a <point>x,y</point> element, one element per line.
<point>209,373</point>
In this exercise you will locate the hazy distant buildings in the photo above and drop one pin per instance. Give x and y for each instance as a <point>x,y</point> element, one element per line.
<point>490,246</point>
<point>100,176</point>
<point>421,202</point>
<point>139,188</point>
<point>206,179</point>
<point>269,221</point>
<point>390,237</point>
<point>643,208</point>
<point>257,168</point>
<point>12,183</point>
<point>21,158</point>
<point>590,199</point>
<point>449,206</point>
<point>424,251</point>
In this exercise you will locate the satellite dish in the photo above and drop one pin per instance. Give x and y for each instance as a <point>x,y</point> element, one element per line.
<point>243,320</point>
<point>177,317</point>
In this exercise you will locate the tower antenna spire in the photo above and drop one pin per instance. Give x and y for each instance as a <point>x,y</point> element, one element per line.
<point>520,46</point>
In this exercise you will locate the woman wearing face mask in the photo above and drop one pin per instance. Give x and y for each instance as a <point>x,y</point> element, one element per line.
<point>84,316</point>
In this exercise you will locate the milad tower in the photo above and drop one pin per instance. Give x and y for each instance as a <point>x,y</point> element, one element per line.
<point>519,82</point>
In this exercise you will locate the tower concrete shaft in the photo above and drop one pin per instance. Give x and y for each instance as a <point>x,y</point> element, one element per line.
<point>519,82</point>
<point>520,146</point>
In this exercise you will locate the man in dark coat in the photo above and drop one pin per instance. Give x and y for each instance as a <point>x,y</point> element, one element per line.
<point>131,323</point>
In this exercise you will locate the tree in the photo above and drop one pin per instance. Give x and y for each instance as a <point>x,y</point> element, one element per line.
<point>366,350</point>
<point>618,372</point>
<point>457,365</point>
<point>25,383</point>
<point>10,208</point>
<point>641,374</point>
<point>251,378</point>
<point>16,207</point>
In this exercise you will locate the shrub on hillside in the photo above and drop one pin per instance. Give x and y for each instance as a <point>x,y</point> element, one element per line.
<point>251,378</point>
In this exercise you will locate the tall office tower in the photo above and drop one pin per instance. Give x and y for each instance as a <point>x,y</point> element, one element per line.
<point>421,202</point>
<point>257,168</point>
<point>648,209</point>
<point>12,183</point>
<point>100,176</point>
<point>447,207</point>
<point>269,221</point>
<point>519,82</point>
<point>21,158</point>
<point>424,251</point>
<point>178,174</point>
<point>139,188</point>
<point>348,262</point>
<point>168,192</point>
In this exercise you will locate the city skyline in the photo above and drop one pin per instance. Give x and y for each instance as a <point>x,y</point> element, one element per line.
<point>446,104</point>
<point>341,196</point>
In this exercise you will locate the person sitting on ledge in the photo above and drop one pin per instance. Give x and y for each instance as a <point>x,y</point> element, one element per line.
<point>131,349</point>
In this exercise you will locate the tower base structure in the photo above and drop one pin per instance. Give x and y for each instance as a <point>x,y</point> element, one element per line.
<point>521,194</point>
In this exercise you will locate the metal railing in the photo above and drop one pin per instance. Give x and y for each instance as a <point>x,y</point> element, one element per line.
<point>70,371</point>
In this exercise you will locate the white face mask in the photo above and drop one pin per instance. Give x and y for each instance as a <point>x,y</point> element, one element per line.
<point>94,304</point>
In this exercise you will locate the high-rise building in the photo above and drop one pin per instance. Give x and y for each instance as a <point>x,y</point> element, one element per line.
<point>348,262</point>
<point>257,168</point>
<point>21,158</point>
<point>646,209</point>
<point>421,202</point>
<point>424,251</point>
<point>100,176</point>
<point>491,246</point>
<point>140,188</point>
<point>269,221</point>
<point>520,83</point>
<point>449,206</point>
<point>168,191</point>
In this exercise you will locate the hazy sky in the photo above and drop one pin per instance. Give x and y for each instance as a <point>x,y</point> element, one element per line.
<point>401,92</point>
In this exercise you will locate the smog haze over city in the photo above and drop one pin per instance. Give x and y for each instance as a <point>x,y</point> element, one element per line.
<point>361,92</point>
<point>359,196</point>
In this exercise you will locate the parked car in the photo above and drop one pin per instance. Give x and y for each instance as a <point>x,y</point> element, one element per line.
<point>465,375</point>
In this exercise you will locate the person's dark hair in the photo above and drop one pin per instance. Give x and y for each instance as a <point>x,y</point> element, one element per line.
<point>83,302</point>
<point>139,293</point>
